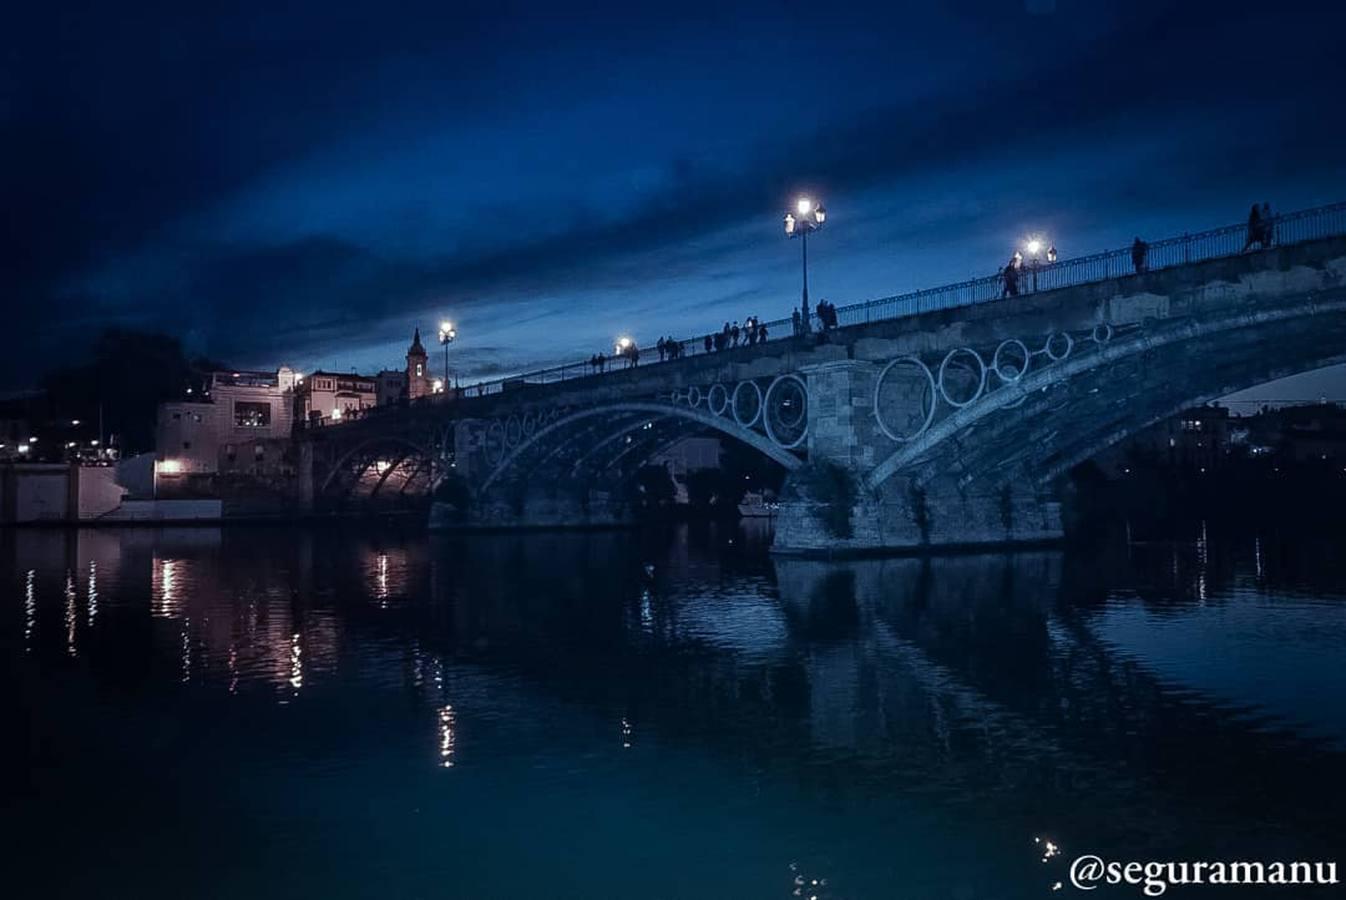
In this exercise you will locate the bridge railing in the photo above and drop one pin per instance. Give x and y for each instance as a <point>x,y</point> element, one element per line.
<point>1231,240</point>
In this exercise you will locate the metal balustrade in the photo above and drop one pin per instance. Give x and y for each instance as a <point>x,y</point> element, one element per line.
<point>1287,229</point>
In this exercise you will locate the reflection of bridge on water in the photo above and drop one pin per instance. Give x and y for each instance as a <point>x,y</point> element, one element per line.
<point>975,682</point>
<point>943,418</point>
<point>970,679</point>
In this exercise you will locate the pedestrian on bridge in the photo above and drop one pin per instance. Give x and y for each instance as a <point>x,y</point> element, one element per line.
<point>709,343</point>
<point>1254,229</point>
<point>1139,252</point>
<point>796,324</point>
<point>1010,274</point>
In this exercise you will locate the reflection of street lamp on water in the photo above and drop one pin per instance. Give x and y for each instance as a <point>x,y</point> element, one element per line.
<point>806,216</point>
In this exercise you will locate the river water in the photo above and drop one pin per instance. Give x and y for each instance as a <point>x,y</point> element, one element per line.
<point>373,713</point>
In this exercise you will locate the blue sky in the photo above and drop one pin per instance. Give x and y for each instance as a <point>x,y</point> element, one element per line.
<point>304,183</point>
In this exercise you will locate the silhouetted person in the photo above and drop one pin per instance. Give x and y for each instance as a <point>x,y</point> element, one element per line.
<point>660,347</point>
<point>709,343</point>
<point>734,334</point>
<point>1268,225</point>
<point>796,323</point>
<point>761,334</point>
<point>1139,251</point>
<point>1254,228</point>
<point>1011,276</point>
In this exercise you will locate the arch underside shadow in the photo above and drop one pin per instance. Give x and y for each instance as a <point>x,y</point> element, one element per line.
<point>380,467</point>
<point>1063,414</point>
<point>604,445</point>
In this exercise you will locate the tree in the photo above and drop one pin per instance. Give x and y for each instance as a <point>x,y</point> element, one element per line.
<point>128,375</point>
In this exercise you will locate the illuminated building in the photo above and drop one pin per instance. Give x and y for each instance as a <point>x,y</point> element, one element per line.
<point>241,414</point>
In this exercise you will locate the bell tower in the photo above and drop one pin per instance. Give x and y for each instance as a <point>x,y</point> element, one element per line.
<point>418,369</point>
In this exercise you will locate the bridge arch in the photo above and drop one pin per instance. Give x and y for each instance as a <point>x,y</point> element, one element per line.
<point>352,457</point>
<point>1279,342</point>
<point>549,434</point>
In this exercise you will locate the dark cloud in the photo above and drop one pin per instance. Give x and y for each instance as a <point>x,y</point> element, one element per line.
<point>128,130</point>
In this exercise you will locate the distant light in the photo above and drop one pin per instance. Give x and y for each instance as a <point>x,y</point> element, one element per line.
<point>805,206</point>
<point>23,448</point>
<point>623,343</point>
<point>32,440</point>
<point>437,385</point>
<point>1034,247</point>
<point>74,422</point>
<point>170,466</point>
<point>69,444</point>
<point>93,443</point>
<point>336,413</point>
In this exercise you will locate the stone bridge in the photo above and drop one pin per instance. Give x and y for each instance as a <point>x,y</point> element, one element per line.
<point>947,428</point>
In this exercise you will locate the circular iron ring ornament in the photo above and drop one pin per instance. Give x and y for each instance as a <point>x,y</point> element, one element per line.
<point>694,396</point>
<point>1052,341</point>
<point>929,413</point>
<point>719,391</point>
<point>675,396</point>
<point>529,424</point>
<point>513,431</point>
<point>1102,333</point>
<point>981,376</point>
<point>756,410</point>
<point>803,414</point>
<point>998,365</point>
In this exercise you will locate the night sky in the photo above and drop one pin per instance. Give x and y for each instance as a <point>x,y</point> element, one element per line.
<point>304,182</point>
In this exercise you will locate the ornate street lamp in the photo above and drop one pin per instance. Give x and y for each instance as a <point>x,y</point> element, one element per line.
<point>446,335</point>
<point>1034,247</point>
<point>805,217</point>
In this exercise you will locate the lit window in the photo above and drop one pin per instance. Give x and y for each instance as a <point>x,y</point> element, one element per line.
<point>252,415</point>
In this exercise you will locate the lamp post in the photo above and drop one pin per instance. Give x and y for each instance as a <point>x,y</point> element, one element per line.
<point>446,335</point>
<point>1034,248</point>
<point>806,216</point>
